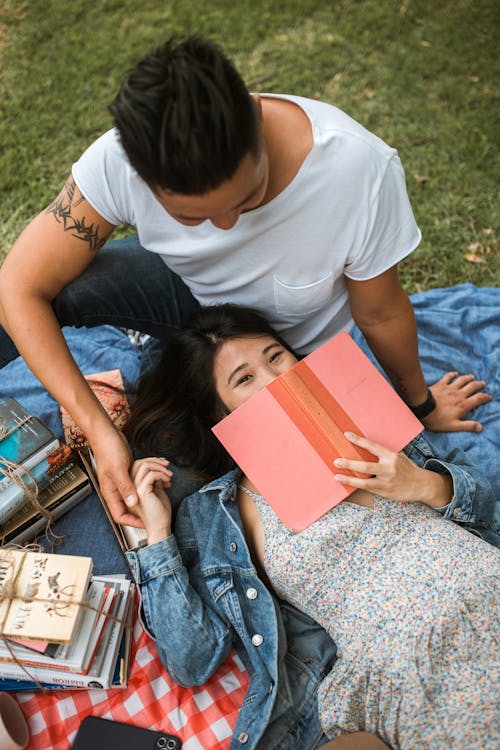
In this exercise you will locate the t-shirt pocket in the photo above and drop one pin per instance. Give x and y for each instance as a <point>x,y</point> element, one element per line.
<point>300,301</point>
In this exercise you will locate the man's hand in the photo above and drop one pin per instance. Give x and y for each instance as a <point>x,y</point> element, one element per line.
<point>113,459</point>
<point>456,395</point>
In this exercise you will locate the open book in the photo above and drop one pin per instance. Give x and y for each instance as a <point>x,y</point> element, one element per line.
<point>286,437</point>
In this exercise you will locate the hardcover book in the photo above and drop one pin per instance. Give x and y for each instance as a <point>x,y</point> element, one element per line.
<point>67,487</point>
<point>16,495</point>
<point>45,593</point>
<point>286,437</point>
<point>24,439</point>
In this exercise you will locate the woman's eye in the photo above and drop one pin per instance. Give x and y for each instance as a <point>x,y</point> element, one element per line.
<point>275,356</point>
<point>244,379</point>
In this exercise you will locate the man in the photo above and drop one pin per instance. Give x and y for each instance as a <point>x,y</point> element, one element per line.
<point>318,217</point>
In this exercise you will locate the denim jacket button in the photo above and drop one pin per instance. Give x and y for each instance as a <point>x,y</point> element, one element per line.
<point>243,737</point>
<point>257,639</point>
<point>233,546</point>
<point>456,513</point>
<point>270,688</point>
<point>251,593</point>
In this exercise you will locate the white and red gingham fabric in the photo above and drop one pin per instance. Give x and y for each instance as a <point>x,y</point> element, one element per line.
<point>203,717</point>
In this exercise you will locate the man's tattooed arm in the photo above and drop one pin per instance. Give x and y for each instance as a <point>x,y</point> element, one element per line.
<point>61,209</point>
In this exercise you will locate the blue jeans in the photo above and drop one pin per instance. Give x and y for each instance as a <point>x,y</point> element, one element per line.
<point>125,286</point>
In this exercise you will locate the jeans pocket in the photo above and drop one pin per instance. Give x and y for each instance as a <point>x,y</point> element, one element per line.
<point>298,301</point>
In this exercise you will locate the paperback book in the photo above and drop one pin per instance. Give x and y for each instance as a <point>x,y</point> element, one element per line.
<point>118,679</point>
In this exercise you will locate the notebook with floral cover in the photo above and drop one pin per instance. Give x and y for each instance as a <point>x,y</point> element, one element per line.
<point>108,387</point>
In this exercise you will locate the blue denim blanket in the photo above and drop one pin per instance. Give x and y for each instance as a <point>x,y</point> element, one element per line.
<point>459,329</point>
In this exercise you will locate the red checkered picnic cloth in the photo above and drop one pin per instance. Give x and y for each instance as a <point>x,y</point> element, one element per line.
<point>203,717</point>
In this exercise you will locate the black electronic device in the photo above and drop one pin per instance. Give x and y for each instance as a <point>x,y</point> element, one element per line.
<point>103,734</point>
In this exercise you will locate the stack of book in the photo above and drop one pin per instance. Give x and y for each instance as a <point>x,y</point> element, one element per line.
<point>61,627</point>
<point>45,465</point>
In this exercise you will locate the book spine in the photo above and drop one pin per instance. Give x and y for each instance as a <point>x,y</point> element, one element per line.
<point>108,649</point>
<point>39,522</point>
<point>14,497</point>
<point>118,679</point>
<point>57,678</point>
<point>28,463</point>
<point>318,415</point>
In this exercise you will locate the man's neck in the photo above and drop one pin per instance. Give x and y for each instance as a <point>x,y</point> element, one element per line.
<point>287,133</point>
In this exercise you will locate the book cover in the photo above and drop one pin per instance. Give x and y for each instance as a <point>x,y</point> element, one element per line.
<point>16,495</point>
<point>67,486</point>
<point>24,439</point>
<point>286,437</point>
<point>45,594</point>
<point>109,389</point>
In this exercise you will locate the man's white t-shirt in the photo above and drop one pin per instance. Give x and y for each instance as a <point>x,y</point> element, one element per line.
<point>345,213</point>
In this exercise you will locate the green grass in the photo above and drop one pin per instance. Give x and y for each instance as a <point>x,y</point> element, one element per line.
<point>422,74</point>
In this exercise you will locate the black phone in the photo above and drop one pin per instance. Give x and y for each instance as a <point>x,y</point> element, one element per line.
<point>102,734</point>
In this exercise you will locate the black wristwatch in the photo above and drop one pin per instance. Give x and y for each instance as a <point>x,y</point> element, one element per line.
<point>422,410</point>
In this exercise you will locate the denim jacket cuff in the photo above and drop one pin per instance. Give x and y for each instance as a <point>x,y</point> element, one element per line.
<point>155,560</point>
<point>461,506</point>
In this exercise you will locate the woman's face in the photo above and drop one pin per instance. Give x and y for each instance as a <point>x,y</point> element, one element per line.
<point>245,365</point>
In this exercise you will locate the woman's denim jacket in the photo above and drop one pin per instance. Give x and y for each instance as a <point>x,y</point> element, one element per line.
<point>201,597</point>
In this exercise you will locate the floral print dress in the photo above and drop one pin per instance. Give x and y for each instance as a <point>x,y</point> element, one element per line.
<point>411,600</point>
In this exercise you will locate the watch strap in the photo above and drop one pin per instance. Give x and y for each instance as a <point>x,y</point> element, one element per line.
<point>425,408</point>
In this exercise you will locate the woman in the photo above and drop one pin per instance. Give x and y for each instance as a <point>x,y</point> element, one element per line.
<point>408,597</point>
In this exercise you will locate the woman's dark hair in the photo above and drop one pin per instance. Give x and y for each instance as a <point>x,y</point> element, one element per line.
<point>177,404</point>
<point>186,118</point>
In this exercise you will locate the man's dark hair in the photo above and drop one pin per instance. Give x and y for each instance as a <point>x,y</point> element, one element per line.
<point>186,118</point>
<point>176,404</point>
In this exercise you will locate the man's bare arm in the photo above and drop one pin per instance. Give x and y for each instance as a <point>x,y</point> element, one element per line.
<point>53,250</point>
<point>383,312</point>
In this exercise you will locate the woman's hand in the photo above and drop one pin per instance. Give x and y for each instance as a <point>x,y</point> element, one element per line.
<point>394,476</point>
<point>150,477</point>
<point>456,395</point>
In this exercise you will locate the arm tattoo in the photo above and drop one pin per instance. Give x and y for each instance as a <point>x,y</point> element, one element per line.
<point>61,211</point>
<point>398,384</point>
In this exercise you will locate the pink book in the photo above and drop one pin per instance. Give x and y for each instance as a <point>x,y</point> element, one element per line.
<point>286,437</point>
